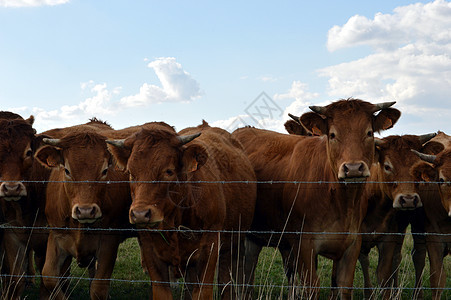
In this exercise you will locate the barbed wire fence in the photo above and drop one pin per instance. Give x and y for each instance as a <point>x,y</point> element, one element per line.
<point>185,230</point>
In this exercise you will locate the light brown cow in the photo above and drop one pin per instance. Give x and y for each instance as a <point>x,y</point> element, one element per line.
<point>83,195</point>
<point>340,157</point>
<point>198,202</point>
<point>393,203</point>
<point>21,202</point>
<point>437,171</point>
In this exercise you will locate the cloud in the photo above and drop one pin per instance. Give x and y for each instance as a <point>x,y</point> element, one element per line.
<point>425,23</point>
<point>177,85</point>
<point>31,3</point>
<point>98,104</point>
<point>265,113</point>
<point>410,63</point>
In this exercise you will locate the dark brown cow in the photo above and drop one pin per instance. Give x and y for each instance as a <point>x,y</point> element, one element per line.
<point>82,195</point>
<point>340,157</point>
<point>21,202</point>
<point>159,154</point>
<point>393,200</point>
<point>437,170</point>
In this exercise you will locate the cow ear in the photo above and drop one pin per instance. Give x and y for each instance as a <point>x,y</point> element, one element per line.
<point>120,153</point>
<point>432,147</point>
<point>424,172</point>
<point>314,123</point>
<point>292,127</point>
<point>386,118</point>
<point>30,120</point>
<point>194,157</point>
<point>49,156</point>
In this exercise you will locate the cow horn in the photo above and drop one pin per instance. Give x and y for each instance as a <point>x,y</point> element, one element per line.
<point>52,142</point>
<point>383,105</point>
<point>426,157</point>
<point>294,118</point>
<point>318,109</point>
<point>426,137</point>
<point>117,143</point>
<point>188,138</point>
<point>379,142</point>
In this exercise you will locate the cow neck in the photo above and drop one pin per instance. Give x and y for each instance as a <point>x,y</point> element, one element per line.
<point>348,203</point>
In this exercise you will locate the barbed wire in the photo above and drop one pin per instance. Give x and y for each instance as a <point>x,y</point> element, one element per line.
<point>233,284</point>
<point>228,181</point>
<point>184,229</point>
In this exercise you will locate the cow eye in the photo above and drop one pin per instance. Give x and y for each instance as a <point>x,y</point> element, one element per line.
<point>369,133</point>
<point>104,172</point>
<point>332,136</point>
<point>67,171</point>
<point>28,153</point>
<point>387,168</point>
<point>169,172</point>
<point>441,181</point>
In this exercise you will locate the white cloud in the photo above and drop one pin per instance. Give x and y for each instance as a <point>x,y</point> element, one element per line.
<point>411,62</point>
<point>177,85</point>
<point>429,23</point>
<point>31,3</point>
<point>297,92</point>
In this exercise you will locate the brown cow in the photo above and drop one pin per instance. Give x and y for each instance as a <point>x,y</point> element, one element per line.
<point>392,201</point>
<point>437,171</point>
<point>83,197</point>
<point>340,157</point>
<point>295,127</point>
<point>21,202</point>
<point>159,154</point>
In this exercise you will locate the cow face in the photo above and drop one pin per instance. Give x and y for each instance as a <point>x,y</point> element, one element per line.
<point>17,144</point>
<point>436,168</point>
<point>82,162</point>
<point>395,159</point>
<point>156,160</point>
<point>349,126</point>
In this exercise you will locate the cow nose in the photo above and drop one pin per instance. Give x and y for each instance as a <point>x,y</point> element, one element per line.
<point>407,201</point>
<point>86,212</point>
<point>139,216</point>
<point>353,170</point>
<point>12,189</point>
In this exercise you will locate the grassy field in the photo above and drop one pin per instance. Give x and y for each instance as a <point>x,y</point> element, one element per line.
<point>132,283</point>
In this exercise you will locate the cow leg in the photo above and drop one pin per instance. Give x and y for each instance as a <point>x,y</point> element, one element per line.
<point>106,254</point>
<point>306,267</point>
<point>387,248</point>
<point>202,274</point>
<point>56,260</point>
<point>436,251</point>
<point>158,270</point>
<point>16,260</point>
<point>252,251</point>
<point>346,268</point>
<point>231,266</point>
<point>365,263</point>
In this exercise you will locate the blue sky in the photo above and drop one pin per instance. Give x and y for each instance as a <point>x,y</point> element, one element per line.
<point>131,62</point>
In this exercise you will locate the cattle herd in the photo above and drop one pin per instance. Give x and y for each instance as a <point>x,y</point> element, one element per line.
<point>203,202</point>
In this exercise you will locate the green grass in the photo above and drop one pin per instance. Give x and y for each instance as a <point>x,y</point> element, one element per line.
<point>269,273</point>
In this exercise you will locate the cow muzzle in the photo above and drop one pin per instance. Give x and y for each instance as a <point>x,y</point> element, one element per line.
<point>407,201</point>
<point>357,171</point>
<point>12,191</point>
<point>146,216</point>
<point>86,213</point>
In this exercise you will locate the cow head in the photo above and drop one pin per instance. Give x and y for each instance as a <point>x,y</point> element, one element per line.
<point>295,127</point>
<point>17,146</point>
<point>161,156</point>
<point>436,168</point>
<point>395,159</point>
<point>349,126</point>
<point>78,159</point>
